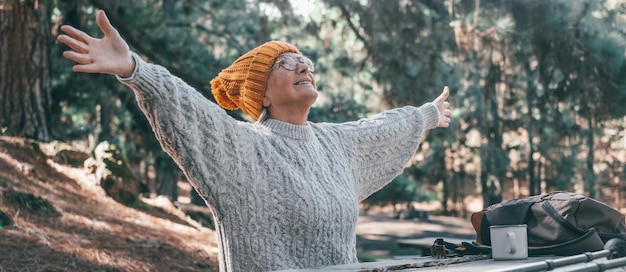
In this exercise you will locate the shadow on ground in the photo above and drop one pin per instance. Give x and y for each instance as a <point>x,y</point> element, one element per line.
<point>377,234</point>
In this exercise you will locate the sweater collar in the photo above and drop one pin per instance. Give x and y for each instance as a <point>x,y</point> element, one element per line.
<point>304,133</point>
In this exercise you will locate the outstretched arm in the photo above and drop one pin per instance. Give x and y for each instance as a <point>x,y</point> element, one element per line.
<point>107,55</point>
<point>195,132</point>
<point>381,145</point>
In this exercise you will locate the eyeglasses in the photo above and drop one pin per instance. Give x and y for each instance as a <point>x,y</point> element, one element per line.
<point>290,62</point>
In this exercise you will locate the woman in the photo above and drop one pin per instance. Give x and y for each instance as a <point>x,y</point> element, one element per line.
<point>284,191</point>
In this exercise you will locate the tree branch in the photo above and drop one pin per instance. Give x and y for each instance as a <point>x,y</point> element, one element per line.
<point>346,15</point>
<point>231,40</point>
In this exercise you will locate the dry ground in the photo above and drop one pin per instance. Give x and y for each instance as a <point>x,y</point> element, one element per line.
<point>55,218</point>
<point>377,234</point>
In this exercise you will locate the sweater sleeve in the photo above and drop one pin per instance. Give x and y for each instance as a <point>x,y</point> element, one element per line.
<point>194,131</point>
<point>380,146</point>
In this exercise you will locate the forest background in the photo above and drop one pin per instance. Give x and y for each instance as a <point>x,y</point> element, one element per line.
<point>538,87</point>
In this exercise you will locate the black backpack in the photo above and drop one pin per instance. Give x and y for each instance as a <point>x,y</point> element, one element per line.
<point>559,223</point>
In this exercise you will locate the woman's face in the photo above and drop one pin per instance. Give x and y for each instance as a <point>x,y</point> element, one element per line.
<point>291,83</point>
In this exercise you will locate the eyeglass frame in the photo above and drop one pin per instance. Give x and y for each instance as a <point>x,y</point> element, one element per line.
<point>299,59</point>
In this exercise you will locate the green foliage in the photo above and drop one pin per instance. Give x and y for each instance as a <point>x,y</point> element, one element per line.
<point>115,160</point>
<point>340,109</point>
<point>142,206</point>
<point>530,79</point>
<point>402,189</point>
<point>406,57</point>
<point>5,220</point>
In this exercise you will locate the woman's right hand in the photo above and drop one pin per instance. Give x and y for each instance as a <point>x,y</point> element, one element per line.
<point>443,107</point>
<point>108,55</point>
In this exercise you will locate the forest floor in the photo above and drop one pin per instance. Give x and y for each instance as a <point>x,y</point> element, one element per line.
<point>54,217</point>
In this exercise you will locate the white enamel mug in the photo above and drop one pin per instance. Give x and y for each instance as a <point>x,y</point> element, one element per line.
<point>509,242</point>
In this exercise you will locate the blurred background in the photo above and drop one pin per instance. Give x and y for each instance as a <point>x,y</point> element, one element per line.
<point>538,87</point>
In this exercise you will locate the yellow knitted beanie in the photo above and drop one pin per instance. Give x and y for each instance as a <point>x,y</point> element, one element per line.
<point>242,84</point>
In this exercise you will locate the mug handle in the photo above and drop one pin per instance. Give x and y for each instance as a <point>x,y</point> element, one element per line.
<point>512,242</point>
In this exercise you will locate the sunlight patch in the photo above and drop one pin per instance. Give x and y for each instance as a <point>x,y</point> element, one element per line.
<point>302,7</point>
<point>270,10</point>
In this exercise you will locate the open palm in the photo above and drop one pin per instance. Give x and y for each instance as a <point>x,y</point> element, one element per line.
<point>107,55</point>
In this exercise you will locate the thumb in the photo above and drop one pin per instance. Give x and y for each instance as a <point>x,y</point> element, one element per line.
<point>443,96</point>
<point>104,24</point>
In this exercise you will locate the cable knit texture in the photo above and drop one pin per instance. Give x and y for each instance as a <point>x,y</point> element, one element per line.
<point>283,196</point>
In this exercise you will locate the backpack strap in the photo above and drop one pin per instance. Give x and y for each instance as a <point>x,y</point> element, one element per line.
<point>554,214</point>
<point>588,242</point>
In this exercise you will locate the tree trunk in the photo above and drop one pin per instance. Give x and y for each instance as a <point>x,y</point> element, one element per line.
<point>590,177</point>
<point>196,198</point>
<point>24,69</point>
<point>167,176</point>
<point>446,196</point>
<point>498,168</point>
<point>115,174</point>
<point>533,181</point>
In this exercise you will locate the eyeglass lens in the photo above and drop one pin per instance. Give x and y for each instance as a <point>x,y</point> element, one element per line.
<point>290,63</point>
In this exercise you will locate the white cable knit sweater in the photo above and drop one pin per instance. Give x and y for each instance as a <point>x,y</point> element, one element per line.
<point>283,196</point>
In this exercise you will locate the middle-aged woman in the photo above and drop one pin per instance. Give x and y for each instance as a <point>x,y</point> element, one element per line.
<point>284,191</point>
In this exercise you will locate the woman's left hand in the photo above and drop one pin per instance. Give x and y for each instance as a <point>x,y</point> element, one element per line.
<point>444,108</point>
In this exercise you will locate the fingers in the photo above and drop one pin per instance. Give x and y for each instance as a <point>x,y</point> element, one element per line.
<point>78,57</point>
<point>86,63</point>
<point>87,68</point>
<point>76,34</point>
<point>76,45</point>
<point>104,24</point>
<point>445,111</point>
<point>445,120</point>
<point>79,40</point>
